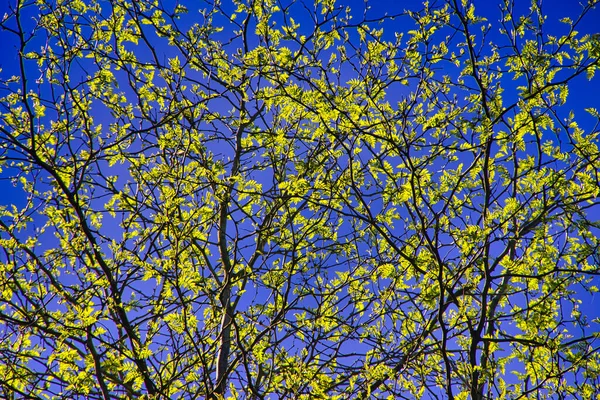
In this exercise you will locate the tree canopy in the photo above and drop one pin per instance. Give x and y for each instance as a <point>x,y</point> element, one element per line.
<point>283,199</point>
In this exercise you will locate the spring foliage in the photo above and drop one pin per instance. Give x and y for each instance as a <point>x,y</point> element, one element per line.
<point>288,199</point>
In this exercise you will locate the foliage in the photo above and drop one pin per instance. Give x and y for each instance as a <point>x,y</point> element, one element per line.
<point>279,199</point>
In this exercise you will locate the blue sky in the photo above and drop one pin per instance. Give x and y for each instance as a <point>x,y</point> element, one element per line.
<point>583,93</point>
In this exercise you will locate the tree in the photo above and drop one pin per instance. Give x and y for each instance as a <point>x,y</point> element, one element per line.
<point>286,199</point>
